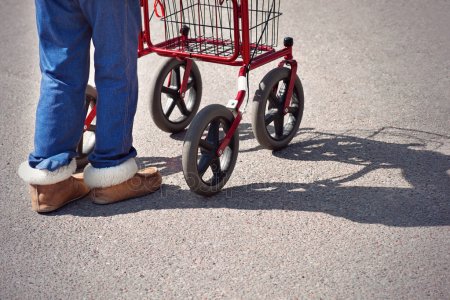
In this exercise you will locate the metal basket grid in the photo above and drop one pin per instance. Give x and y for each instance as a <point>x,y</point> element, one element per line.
<point>212,27</point>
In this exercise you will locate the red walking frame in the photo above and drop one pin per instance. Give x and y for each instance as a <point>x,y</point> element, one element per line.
<point>229,32</point>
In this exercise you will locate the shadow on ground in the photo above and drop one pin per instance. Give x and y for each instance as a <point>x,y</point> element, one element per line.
<point>425,203</point>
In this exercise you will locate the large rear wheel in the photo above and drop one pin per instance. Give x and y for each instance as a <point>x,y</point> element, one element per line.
<point>171,111</point>
<point>273,128</point>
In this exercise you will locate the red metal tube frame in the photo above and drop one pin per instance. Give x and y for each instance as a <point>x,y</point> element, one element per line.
<point>242,49</point>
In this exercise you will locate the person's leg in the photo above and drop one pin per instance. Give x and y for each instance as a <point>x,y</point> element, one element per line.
<point>113,172</point>
<point>64,41</point>
<point>116,25</point>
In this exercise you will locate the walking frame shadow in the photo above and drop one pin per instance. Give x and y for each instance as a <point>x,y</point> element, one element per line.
<point>426,202</point>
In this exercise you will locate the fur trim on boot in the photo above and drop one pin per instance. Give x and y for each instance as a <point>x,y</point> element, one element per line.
<point>106,177</point>
<point>44,177</point>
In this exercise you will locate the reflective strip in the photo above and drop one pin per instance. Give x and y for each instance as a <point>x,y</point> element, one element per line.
<point>242,83</point>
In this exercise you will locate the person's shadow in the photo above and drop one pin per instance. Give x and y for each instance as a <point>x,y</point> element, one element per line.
<point>425,202</point>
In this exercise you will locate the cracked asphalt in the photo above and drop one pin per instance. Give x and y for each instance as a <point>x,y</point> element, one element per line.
<point>358,206</point>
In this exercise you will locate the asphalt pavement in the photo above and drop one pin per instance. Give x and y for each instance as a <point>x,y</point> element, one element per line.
<point>357,207</point>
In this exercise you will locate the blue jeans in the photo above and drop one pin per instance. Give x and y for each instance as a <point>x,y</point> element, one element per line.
<point>65,29</point>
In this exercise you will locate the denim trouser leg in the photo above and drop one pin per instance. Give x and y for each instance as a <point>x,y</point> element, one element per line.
<point>65,30</point>
<point>64,41</point>
<point>116,25</point>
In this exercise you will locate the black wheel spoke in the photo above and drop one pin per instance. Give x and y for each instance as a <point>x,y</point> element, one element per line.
<point>213,133</point>
<point>182,106</point>
<point>204,163</point>
<point>171,103</point>
<point>273,100</point>
<point>204,145</point>
<point>293,110</point>
<point>270,116</point>
<point>177,77</point>
<point>168,91</point>
<point>215,166</point>
<point>279,124</point>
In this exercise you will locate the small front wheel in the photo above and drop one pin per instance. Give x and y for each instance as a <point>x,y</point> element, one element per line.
<point>205,172</point>
<point>273,128</point>
<point>171,111</point>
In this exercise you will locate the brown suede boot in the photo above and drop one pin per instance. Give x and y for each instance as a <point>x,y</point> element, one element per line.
<point>144,182</point>
<point>48,198</point>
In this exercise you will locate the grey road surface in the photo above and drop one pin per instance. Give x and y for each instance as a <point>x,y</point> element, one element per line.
<point>357,207</point>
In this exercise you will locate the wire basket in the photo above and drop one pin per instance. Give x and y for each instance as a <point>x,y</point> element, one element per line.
<point>211,27</point>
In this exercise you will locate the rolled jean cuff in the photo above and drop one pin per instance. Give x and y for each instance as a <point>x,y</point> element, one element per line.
<point>45,177</point>
<point>106,177</point>
<point>51,163</point>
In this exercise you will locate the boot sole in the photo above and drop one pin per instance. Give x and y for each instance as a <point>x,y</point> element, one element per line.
<point>100,201</point>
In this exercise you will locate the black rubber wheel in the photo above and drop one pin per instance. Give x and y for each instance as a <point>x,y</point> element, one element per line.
<point>206,173</point>
<point>272,128</point>
<point>87,141</point>
<point>169,111</point>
